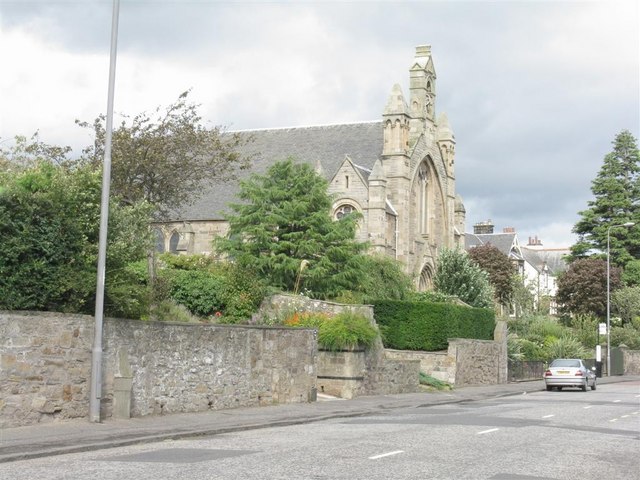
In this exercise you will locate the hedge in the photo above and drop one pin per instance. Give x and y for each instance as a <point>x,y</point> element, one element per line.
<point>428,326</point>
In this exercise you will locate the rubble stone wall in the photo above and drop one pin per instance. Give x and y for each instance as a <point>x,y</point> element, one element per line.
<point>45,366</point>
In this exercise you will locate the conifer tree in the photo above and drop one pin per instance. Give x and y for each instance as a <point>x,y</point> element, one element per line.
<point>617,201</point>
<point>283,229</point>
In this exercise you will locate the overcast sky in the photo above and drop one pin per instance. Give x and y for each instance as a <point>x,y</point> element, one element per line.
<point>535,91</point>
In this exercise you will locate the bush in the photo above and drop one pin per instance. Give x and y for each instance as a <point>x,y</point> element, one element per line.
<point>564,347</point>
<point>199,291</point>
<point>428,326</point>
<point>209,288</point>
<point>169,311</point>
<point>345,331</point>
<point>627,335</point>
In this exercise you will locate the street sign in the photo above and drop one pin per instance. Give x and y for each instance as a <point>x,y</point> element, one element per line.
<point>602,328</point>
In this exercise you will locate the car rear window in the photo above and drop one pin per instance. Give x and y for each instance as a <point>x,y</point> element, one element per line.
<point>566,363</point>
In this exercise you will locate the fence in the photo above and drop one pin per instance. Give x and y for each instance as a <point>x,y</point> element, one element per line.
<point>525,370</point>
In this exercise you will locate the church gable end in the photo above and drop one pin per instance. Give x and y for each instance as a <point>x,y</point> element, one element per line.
<point>397,172</point>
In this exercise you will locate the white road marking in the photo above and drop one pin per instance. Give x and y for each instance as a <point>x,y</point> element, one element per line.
<point>617,401</point>
<point>375,457</point>
<point>624,416</point>
<point>613,420</point>
<point>548,416</point>
<point>488,431</point>
<point>637,396</point>
<point>587,407</point>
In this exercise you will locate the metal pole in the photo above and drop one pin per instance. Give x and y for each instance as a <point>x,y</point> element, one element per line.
<point>96,352</point>
<point>608,312</point>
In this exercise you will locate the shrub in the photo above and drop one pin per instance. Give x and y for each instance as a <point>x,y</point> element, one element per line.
<point>428,326</point>
<point>199,291</point>
<point>564,347</point>
<point>169,311</point>
<point>627,335</point>
<point>207,286</point>
<point>346,331</point>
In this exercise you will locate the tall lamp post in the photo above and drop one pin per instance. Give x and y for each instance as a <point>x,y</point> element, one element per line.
<point>627,224</point>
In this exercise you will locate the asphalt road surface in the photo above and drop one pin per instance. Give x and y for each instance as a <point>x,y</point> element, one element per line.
<point>539,436</point>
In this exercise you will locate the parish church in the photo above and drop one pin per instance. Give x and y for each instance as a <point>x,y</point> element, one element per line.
<point>398,172</point>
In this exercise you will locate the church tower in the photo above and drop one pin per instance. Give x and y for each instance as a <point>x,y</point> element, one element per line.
<point>422,86</point>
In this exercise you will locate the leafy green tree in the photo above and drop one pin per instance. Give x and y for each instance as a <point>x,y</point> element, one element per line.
<point>383,278</point>
<point>631,273</point>
<point>502,274</point>
<point>283,230</point>
<point>456,274</point>
<point>617,192</point>
<point>166,157</point>
<point>582,289</point>
<point>626,301</point>
<point>27,153</point>
<point>49,224</point>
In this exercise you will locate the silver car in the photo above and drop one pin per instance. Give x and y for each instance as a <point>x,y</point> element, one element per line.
<point>569,372</point>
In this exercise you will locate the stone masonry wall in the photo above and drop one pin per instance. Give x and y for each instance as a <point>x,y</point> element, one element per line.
<point>631,360</point>
<point>350,374</point>
<point>45,366</point>
<point>477,361</point>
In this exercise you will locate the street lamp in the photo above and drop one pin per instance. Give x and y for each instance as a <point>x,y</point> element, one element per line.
<point>627,224</point>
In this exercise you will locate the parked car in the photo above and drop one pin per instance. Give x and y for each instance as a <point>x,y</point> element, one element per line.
<point>569,372</point>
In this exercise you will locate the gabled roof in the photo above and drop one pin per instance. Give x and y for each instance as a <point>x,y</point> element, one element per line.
<point>507,243</point>
<point>551,259</point>
<point>325,146</point>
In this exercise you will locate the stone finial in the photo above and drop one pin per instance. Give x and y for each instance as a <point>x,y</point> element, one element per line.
<point>377,173</point>
<point>423,51</point>
<point>396,105</point>
<point>444,128</point>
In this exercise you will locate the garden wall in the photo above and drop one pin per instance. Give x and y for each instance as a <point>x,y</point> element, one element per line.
<point>631,361</point>
<point>349,374</point>
<point>45,366</point>
<point>466,361</point>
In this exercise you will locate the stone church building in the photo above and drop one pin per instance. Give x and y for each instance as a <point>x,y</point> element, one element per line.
<point>398,172</point>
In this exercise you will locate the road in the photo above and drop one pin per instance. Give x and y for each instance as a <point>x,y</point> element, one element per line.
<point>543,435</point>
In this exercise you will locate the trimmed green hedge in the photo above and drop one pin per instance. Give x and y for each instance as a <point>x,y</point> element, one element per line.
<point>428,326</point>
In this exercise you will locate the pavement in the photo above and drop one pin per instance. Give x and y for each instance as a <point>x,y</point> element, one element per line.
<point>70,436</point>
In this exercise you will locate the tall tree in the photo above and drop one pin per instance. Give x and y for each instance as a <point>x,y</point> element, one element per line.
<point>284,231</point>
<point>26,152</point>
<point>582,289</point>
<point>617,201</point>
<point>165,158</point>
<point>49,224</point>
<point>502,273</point>
<point>456,274</point>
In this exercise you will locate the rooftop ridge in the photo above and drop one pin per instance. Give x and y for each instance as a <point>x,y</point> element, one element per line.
<point>303,126</point>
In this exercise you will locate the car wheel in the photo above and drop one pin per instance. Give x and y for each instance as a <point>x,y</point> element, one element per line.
<point>593,387</point>
<point>584,386</point>
<point>548,388</point>
<point>559,389</point>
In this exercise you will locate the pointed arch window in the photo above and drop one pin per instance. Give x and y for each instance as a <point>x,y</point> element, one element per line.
<point>423,199</point>
<point>159,240</point>
<point>173,242</point>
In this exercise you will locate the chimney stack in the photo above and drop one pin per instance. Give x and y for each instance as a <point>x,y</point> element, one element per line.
<point>481,228</point>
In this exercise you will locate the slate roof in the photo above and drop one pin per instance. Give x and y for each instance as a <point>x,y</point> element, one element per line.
<point>326,145</point>
<point>552,258</point>
<point>502,241</point>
